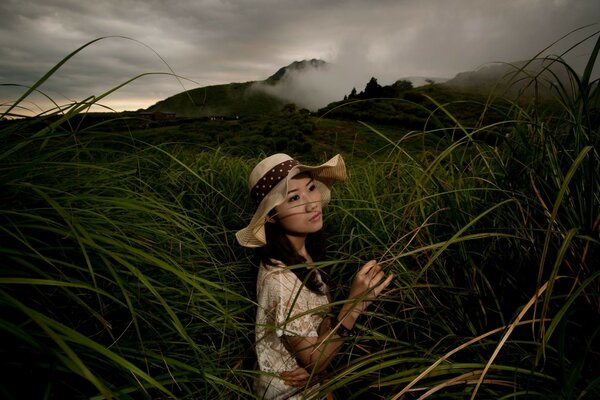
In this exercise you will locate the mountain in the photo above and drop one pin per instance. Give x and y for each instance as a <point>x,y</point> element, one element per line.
<point>220,100</point>
<point>269,96</point>
<point>296,66</point>
<point>248,98</point>
<point>512,79</point>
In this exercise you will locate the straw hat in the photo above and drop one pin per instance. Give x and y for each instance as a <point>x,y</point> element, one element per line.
<point>268,184</point>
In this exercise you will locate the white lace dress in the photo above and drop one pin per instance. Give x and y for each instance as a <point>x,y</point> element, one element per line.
<point>285,306</point>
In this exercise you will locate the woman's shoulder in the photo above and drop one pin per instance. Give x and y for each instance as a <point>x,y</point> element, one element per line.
<point>273,267</point>
<point>276,270</point>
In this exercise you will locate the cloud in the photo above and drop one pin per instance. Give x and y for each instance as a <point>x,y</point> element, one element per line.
<point>221,41</point>
<point>310,88</point>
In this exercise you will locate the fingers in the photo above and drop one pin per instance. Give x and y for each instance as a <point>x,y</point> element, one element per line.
<point>296,377</point>
<point>388,281</point>
<point>370,281</point>
<point>365,269</point>
<point>295,373</point>
<point>384,284</point>
<point>372,271</point>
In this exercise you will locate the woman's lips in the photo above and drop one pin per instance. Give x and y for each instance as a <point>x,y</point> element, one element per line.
<point>315,217</point>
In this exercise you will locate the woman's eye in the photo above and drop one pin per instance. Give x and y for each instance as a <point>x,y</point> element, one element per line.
<point>312,187</point>
<point>293,198</point>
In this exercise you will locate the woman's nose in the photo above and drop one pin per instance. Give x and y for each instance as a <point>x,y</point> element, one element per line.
<point>311,205</point>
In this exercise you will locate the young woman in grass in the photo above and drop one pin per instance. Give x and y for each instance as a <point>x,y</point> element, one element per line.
<point>297,332</point>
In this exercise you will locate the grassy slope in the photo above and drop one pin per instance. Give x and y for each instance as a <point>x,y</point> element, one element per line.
<point>220,100</point>
<point>349,128</point>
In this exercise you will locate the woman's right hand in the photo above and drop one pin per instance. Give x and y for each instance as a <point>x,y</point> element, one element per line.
<point>369,282</point>
<point>297,377</point>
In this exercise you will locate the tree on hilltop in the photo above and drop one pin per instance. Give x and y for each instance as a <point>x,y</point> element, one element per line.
<point>373,89</point>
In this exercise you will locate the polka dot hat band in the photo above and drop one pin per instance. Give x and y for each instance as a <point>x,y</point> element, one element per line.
<point>270,179</point>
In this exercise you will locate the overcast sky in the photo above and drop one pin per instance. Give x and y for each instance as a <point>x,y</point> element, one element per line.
<point>221,41</point>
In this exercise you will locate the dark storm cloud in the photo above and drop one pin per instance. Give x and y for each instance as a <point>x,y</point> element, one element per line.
<point>214,42</point>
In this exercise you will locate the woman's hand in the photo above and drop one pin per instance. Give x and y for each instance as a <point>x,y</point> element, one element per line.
<point>315,352</point>
<point>369,282</point>
<point>296,378</point>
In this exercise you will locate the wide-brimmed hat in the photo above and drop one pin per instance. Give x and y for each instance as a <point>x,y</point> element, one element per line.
<point>268,184</point>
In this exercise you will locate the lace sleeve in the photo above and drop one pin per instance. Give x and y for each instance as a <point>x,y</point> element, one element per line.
<point>296,309</point>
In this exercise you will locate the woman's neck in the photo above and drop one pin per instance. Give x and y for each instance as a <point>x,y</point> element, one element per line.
<point>299,244</point>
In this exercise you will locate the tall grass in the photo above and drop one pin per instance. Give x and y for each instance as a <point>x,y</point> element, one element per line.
<point>121,277</point>
<point>104,261</point>
<point>482,238</point>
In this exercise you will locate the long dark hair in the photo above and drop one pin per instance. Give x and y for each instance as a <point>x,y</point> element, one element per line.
<point>280,248</point>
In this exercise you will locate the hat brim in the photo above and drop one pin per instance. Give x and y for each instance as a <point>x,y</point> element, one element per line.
<point>325,175</point>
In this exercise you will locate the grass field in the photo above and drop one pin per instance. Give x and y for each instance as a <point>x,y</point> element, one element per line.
<point>121,277</point>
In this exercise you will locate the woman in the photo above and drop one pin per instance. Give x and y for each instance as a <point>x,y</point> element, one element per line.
<point>295,337</point>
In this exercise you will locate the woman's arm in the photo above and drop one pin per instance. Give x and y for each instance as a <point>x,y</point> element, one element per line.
<point>315,353</point>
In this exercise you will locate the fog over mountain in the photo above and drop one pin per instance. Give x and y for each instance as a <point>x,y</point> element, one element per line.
<point>313,84</point>
<point>212,42</point>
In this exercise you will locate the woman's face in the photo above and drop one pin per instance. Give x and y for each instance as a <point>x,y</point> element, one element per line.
<point>300,213</point>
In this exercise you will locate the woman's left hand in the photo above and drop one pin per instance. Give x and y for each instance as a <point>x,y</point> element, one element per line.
<point>297,377</point>
<point>369,282</point>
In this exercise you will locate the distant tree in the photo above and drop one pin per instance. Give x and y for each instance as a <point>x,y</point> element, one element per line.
<point>373,89</point>
<point>352,94</point>
<point>397,88</point>
<point>402,85</point>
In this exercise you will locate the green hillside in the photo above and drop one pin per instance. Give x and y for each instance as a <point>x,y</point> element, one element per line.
<point>233,99</point>
<point>220,100</point>
<point>397,104</point>
<point>339,127</point>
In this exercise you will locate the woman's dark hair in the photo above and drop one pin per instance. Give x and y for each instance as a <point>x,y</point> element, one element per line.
<point>280,248</point>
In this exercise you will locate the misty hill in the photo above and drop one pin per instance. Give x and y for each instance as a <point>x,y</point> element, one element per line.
<point>296,66</point>
<point>220,100</point>
<point>291,84</point>
<point>248,98</point>
<point>511,79</point>
<point>287,85</point>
